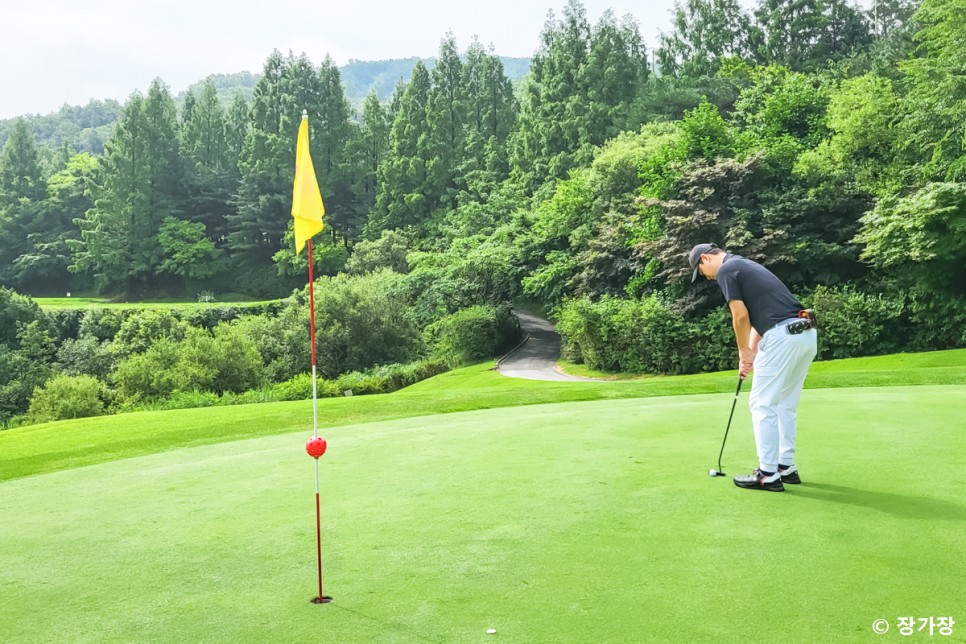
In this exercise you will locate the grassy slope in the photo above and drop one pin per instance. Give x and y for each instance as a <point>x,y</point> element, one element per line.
<point>567,522</point>
<point>55,446</point>
<point>53,303</point>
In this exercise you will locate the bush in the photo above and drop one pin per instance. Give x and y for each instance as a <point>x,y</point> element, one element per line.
<point>15,311</point>
<point>935,322</point>
<point>641,336</point>
<point>65,397</point>
<point>220,362</point>
<point>138,332</point>
<point>472,334</point>
<point>854,324</point>
<point>103,324</point>
<point>360,322</point>
<point>86,356</point>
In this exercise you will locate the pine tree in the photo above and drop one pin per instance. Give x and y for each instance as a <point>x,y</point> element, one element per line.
<point>22,190</point>
<point>705,32</point>
<point>267,168</point>
<point>401,198</point>
<point>139,185</point>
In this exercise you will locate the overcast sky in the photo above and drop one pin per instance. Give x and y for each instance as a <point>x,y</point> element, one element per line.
<point>69,51</point>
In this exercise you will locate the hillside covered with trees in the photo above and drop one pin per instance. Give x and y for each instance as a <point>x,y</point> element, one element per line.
<point>818,139</point>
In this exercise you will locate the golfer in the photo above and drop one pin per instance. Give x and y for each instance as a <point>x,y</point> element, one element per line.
<point>776,339</point>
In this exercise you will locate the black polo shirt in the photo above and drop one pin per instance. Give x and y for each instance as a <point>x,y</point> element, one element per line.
<point>768,300</point>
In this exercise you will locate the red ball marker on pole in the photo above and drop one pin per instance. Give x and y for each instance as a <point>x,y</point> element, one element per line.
<point>315,447</point>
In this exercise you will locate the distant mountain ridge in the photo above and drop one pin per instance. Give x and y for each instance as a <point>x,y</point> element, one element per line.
<point>85,128</point>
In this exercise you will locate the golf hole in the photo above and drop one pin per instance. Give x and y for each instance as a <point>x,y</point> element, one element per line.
<point>325,599</point>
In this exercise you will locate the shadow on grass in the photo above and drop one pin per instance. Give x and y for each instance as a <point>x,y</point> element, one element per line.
<point>900,505</point>
<point>390,626</point>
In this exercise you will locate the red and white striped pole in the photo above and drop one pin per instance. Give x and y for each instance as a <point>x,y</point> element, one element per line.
<point>315,445</point>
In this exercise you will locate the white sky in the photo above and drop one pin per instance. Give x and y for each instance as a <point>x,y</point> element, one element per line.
<point>54,52</point>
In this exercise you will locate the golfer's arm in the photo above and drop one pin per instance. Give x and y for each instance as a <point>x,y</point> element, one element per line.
<point>741,322</point>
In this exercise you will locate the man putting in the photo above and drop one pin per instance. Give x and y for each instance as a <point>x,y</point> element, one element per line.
<point>777,339</point>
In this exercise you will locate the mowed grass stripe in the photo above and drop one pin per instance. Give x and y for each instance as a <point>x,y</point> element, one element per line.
<point>591,521</point>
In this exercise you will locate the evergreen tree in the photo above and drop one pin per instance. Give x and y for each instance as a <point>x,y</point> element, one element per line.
<point>20,176</point>
<point>581,87</point>
<point>704,33</point>
<point>203,133</point>
<point>446,118</point>
<point>491,115</point>
<point>267,168</point>
<point>42,268</point>
<point>236,130</point>
<point>401,198</point>
<point>140,183</point>
<point>804,35</point>
<point>22,190</point>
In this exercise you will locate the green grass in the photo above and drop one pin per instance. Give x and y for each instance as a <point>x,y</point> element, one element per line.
<point>563,522</point>
<point>51,303</point>
<point>43,448</point>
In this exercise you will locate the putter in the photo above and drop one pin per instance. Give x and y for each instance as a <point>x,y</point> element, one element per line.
<point>718,471</point>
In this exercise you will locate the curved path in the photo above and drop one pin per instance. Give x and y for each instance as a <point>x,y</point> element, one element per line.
<point>536,358</point>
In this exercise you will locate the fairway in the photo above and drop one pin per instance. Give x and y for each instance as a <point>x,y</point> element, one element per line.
<point>569,522</point>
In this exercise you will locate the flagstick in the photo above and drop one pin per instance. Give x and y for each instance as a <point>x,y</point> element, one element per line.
<point>315,426</point>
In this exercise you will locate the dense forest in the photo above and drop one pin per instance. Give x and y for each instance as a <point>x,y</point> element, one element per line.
<point>824,141</point>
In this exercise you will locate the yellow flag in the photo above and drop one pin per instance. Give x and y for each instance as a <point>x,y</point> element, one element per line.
<point>307,208</point>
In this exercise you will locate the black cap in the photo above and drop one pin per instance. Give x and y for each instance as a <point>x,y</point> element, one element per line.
<point>694,257</point>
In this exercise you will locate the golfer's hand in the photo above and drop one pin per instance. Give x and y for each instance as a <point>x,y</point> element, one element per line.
<point>746,362</point>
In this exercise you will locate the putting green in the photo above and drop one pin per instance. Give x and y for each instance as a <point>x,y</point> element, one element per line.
<point>577,522</point>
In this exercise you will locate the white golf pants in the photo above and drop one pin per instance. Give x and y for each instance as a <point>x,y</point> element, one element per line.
<point>779,373</point>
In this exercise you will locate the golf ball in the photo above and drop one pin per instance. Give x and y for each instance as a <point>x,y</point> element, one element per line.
<point>712,473</point>
<point>491,631</point>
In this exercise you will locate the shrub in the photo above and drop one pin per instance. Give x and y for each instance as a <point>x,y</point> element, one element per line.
<point>15,311</point>
<point>935,322</point>
<point>103,324</point>
<point>86,355</point>
<point>642,336</point>
<point>360,322</point>
<point>66,396</point>
<point>137,332</point>
<point>854,324</point>
<point>474,333</point>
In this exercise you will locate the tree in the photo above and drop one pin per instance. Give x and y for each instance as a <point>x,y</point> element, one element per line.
<point>403,183</point>
<point>705,33</point>
<point>935,107</point>
<point>21,191</point>
<point>804,35</point>
<point>43,265</point>
<point>921,237</point>
<point>264,196</point>
<point>139,184</point>
<point>20,175</point>
<point>582,85</point>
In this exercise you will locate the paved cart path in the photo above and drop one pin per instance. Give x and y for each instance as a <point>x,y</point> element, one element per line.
<point>536,358</point>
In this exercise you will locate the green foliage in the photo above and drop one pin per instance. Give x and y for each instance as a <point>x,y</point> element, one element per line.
<point>86,355</point>
<point>931,128</point>
<point>581,90</point>
<point>389,251</point>
<point>921,236</point>
<point>471,334</point>
<point>16,311</point>
<point>187,251</point>
<point>65,397</point>
<point>219,361</point>
<point>360,321</point>
<point>704,34</point>
<point>852,323</point>
<point>644,336</point>
<point>138,332</point>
